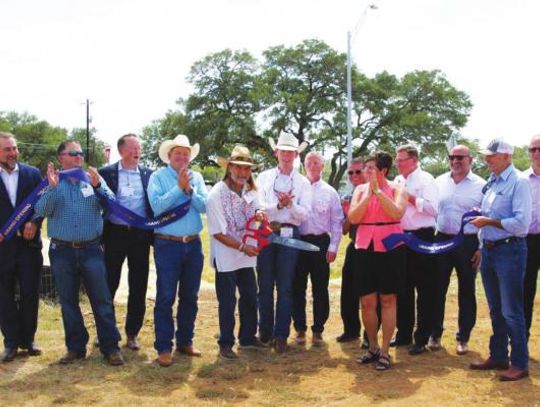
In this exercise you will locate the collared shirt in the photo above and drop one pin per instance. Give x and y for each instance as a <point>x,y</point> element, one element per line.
<point>508,200</point>
<point>227,213</point>
<point>73,210</point>
<point>130,193</point>
<point>165,194</point>
<point>456,199</point>
<point>422,185</point>
<point>11,181</point>
<point>326,216</point>
<point>534,182</point>
<point>270,181</point>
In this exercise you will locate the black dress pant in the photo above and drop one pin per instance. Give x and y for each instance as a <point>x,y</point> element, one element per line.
<point>349,299</point>
<point>20,262</point>
<point>315,265</point>
<point>460,259</point>
<point>420,275</point>
<point>531,276</point>
<point>123,242</point>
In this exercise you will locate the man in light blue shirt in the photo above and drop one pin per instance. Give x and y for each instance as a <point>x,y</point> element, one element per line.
<point>506,215</point>
<point>177,247</point>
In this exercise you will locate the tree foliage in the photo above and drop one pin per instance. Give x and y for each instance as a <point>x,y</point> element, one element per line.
<point>300,90</point>
<point>38,140</point>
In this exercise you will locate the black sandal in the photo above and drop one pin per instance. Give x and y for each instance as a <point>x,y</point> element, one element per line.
<point>369,357</point>
<point>383,363</point>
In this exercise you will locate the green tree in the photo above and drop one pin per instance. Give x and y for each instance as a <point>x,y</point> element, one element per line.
<point>37,140</point>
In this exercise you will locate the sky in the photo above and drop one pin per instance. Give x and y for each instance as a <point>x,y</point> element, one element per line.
<point>131,58</point>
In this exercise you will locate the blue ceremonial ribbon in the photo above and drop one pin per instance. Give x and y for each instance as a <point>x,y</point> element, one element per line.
<point>421,246</point>
<point>23,211</point>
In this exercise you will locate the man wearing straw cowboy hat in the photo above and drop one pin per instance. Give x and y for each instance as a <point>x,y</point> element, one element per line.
<point>231,203</point>
<point>285,196</point>
<point>177,247</point>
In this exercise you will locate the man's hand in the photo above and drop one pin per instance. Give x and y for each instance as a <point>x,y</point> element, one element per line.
<point>184,177</point>
<point>480,221</point>
<point>250,251</point>
<point>29,231</point>
<point>52,175</point>
<point>475,259</point>
<point>93,174</point>
<point>330,257</point>
<point>285,199</point>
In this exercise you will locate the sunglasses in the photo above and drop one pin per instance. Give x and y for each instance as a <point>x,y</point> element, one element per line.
<point>357,172</point>
<point>533,150</point>
<point>73,153</point>
<point>457,157</point>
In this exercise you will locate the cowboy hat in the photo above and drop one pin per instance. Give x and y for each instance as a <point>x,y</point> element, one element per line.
<point>239,156</point>
<point>179,141</point>
<point>287,142</point>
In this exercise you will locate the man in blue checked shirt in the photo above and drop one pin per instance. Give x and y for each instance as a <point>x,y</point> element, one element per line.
<point>75,226</point>
<point>506,215</point>
<point>177,247</point>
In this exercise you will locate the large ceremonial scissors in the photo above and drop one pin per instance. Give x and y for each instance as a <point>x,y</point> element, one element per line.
<point>264,235</point>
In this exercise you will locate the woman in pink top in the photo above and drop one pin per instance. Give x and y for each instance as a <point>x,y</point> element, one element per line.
<point>377,207</point>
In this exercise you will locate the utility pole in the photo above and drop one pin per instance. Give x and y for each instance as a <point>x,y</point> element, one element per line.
<point>87,131</point>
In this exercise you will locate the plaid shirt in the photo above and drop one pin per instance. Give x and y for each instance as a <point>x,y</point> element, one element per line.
<point>72,216</point>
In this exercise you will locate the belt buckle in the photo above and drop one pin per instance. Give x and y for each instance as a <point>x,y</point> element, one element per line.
<point>185,239</point>
<point>76,245</point>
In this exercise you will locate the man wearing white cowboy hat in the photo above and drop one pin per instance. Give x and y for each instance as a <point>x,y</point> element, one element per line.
<point>285,196</point>
<point>231,202</point>
<point>177,247</point>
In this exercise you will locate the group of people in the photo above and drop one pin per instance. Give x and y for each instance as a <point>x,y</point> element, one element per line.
<point>90,243</point>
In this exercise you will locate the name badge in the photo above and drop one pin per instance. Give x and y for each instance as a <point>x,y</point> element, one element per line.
<point>87,190</point>
<point>286,232</point>
<point>128,191</point>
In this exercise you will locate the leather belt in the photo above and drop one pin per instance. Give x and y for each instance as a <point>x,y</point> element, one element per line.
<point>379,223</point>
<point>76,245</point>
<point>314,237</point>
<point>490,244</point>
<point>122,227</point>
<point>182,239</point>
<point>276,226</point>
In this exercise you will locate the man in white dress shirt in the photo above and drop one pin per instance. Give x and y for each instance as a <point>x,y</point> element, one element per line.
<point>419,219</point>
<point>323,229</point>
<point>459,190</point>
<point>285,196</point>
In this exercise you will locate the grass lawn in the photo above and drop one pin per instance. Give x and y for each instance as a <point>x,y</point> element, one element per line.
<point>305,376</point>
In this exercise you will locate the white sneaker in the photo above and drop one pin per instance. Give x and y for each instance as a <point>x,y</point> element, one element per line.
<point>434,343</point>
<point>462,348</point>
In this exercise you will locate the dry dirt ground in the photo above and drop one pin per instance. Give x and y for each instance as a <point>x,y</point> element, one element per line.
<point>305,376</point>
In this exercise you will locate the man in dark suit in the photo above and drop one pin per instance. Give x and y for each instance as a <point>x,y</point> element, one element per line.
<point>129,181</point>
<point>20,256</point>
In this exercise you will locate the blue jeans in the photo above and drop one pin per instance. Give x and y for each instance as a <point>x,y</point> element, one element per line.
<point>276,266</point>
<point>179,268</point>
<point>69,266</point>
<point>503,271</point>
<point>226,283</point>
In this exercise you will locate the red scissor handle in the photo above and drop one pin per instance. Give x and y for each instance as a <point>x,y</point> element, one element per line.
<point>259,234</point>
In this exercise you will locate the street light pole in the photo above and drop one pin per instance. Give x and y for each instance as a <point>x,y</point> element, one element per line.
<point>370,6</point>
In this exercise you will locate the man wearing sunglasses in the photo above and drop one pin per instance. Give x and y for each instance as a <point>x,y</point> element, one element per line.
<point>129,181</point>
<point>459,190</point>
<point>349,301</point>
<point>419,219</point>
<point>20,256</point>
<point>533,237</point>
<point>504,223</point>
<point>75,225</point>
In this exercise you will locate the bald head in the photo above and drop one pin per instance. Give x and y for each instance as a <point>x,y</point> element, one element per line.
<point>460,161</point>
